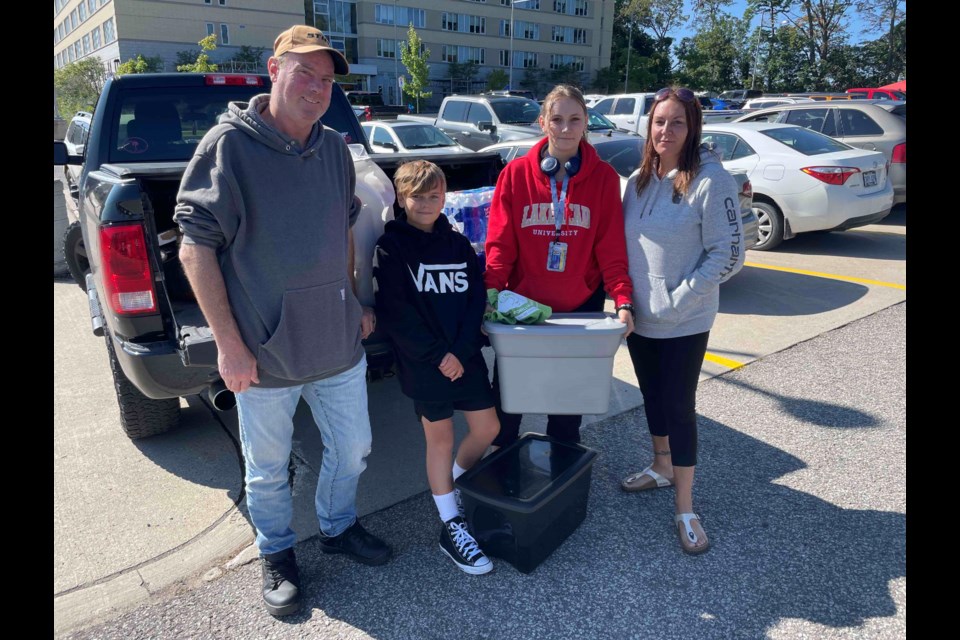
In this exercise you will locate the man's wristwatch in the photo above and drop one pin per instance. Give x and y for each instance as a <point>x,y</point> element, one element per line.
<point>628,307</point>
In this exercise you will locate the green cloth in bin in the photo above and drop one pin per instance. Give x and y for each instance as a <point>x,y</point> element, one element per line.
<point>512,308</point>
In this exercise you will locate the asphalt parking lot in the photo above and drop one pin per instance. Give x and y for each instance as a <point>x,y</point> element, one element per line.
<point>809,340</point>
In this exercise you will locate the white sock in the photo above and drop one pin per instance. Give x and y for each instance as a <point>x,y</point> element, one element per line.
<point>447,506</point>
<point>457,470</point>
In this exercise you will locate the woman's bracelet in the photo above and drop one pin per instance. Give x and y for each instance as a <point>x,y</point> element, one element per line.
<point>628,307</point>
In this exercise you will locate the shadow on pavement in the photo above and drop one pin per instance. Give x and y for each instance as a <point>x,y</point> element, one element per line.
<point>765,292</point>
<point>855,243</point>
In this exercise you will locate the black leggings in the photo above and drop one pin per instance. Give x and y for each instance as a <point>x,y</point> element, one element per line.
<point>668,370</point>
<point>562,428</point>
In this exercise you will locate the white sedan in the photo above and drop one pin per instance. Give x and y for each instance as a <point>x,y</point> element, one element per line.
<point>399,136</point>
<point>803,180</point>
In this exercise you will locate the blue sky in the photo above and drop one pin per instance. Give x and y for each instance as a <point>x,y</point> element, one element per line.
<point>738,7</point>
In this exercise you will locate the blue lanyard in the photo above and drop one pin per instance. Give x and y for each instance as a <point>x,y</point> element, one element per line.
<point>559,207</point>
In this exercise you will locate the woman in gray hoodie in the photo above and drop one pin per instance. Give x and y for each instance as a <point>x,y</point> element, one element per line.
<point>682,220</point>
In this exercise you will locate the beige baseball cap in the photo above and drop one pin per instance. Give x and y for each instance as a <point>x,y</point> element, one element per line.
<point>302,38</point>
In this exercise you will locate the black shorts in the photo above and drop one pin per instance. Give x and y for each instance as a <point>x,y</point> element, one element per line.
<point>441,410</point>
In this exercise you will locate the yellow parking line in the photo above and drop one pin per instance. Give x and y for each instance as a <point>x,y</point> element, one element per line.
<point>726,362</point>
<point>832,276</point>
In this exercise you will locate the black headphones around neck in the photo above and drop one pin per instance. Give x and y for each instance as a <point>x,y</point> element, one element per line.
<point>550,165</point>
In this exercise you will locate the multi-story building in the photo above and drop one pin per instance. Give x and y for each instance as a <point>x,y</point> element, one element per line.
<point>117,30</point>
<point>548,35</point>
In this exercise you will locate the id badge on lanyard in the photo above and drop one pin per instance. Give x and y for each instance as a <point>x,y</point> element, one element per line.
<point>557,252</point>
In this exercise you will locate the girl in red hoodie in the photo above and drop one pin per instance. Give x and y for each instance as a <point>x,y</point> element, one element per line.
<point>564,261</point>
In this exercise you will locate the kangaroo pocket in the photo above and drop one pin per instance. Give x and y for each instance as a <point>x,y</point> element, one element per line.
<point>652,301</point>
<point>317,332</point>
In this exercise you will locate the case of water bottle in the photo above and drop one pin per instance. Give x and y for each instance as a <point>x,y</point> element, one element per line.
<point>467,212</point>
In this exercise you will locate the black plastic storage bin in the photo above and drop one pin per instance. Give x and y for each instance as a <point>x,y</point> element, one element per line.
<point>524,500</point>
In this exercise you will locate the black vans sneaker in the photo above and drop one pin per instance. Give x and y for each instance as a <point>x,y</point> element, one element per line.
<point>281,583</point>
<point>459,545</point>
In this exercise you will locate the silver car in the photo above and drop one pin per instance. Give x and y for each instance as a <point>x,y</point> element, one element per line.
<point>859,123</point>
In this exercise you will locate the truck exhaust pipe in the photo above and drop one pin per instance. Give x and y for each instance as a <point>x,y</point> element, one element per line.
<point>221,398</point>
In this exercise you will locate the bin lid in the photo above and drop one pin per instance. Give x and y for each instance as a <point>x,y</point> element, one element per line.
<point>563,324</point>
<point>528,472</point>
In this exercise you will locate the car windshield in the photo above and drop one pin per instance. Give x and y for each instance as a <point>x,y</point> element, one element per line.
<point>623,155</point>
<point>423,136</point>
<point>167,124</point>
<point>805,141</point>
<point>732,95</point>
<point>516,110</point>
<point>598,121</point>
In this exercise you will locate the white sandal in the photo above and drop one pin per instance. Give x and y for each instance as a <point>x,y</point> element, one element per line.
<point>637,482</point>
<point>688,538</point>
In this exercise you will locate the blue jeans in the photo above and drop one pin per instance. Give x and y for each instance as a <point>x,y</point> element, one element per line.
<point>339,407</point>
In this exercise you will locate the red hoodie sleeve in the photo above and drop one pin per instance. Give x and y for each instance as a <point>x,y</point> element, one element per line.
<point>501,246</point>
<point>610,246</point>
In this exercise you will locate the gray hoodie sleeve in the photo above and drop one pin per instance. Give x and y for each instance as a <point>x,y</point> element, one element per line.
<point>722,233</point>
<point>208,210</point>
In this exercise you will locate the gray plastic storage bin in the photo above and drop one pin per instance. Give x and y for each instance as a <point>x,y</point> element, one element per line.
<point>561,367</point>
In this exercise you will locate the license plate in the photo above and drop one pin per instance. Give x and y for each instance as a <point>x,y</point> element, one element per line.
<point>869,178</point>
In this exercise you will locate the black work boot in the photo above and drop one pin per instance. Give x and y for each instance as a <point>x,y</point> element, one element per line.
<point>281,583</point>
<point>357,544</point>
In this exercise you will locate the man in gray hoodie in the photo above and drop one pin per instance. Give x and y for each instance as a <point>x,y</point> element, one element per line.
<point>266,207</point>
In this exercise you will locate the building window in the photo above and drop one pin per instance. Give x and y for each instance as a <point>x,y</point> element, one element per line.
<point>448,22</point>
<point>453,53</point>
<point>560,6</point>
<point>223,3</point>
<point>86,44</point>
<point>579,36</point>
<point>109,35</point>
<point>69,55</point>
<point>82,12</point>
<point>386,48</point>
<point>74,20</point>
<point>60,31</point>
<point>477,24</point>
<point>78,49</point>
<point>580,7</point>
<point>224,34</point>
<point>532,5</point>
<point>521,59</point>
<point>207,1</point>
<point>525,30</point>
<point>91,6</point>
<point>384,14</point>
<point>211,29</point>
<point>95,34</point>
<point>557,61</point>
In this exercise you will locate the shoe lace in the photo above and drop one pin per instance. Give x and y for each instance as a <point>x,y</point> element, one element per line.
<point>279,571</point>
<point>464,542</point>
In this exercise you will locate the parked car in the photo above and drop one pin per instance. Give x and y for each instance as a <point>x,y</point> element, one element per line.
<point>523,93</point>
<point>624,151</point>
<point>374,108</point>
<point>874,125</point>
<point>593,98</point>
<point>735,98</point>
<point>597,123</point>
<point>772,101</point>
<point>400,136</point>
<point>479,121</point>
<point>76,138</point>
<point>802,180</point>
<point>877,94</point>
<point>822,96</point>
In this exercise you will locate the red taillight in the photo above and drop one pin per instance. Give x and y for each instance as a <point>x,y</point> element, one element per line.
<point>831,175</point>
<point>126,270</point>
<point>747,190</point>
<point>367,114</point>
<point>899,154</point>
<point>233,79</point>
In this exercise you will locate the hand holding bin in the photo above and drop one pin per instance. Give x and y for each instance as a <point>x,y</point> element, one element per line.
<point>563,366</point>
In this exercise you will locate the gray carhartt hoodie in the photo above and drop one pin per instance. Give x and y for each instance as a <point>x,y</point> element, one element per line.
<point>278,217</point>
<point>680,248</point>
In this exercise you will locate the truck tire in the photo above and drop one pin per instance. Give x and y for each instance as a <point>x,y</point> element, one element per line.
<point>140,416</point>
<point>75,254</point>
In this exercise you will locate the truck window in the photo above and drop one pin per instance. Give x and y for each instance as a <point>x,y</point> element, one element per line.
<point>516,111</point>
<point>625,106</point>
<point>478,113</point>
<point>603,106</point>
<point>455,111</point>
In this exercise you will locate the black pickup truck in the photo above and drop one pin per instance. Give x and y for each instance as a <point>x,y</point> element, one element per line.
<point>123,250</point>
<point>373,107</point>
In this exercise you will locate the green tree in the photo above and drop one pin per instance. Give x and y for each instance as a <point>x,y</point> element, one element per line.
<point>248,59</point>
<point>78,85</point>
<point>497,79</point>
<point>659,17</point>
<point>714,58</point>
<point>187,56</point>
<point>414,57</point>
<point>140,64</point>
<point>883,15</point>
<point>202,64</point>
<point>462,75</point>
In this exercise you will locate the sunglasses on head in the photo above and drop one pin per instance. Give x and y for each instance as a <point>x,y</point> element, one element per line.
<point>682,94</point>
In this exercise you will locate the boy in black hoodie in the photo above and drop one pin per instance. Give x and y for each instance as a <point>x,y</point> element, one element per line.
<point>430,300</point>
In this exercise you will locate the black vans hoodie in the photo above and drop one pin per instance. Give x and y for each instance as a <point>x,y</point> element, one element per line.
<point>430,300</point>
